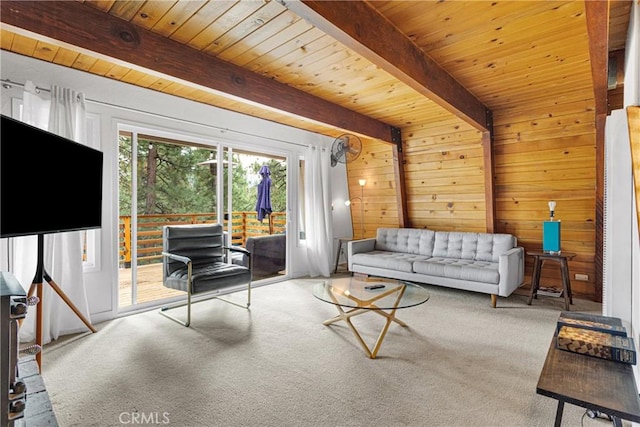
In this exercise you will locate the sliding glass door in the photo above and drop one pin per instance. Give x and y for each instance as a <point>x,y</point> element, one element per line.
<point>170,180</point>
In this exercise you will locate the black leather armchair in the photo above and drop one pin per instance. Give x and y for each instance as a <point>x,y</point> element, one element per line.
<point>196,261</point>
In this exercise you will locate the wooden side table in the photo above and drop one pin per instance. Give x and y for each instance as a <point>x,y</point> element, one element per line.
<point>540,258</point>
<point>341,242</point>
<point>590,382</point>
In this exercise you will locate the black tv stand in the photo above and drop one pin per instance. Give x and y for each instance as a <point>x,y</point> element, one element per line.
<point>39,279</point>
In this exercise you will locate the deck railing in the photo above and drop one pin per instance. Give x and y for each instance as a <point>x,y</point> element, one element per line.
<point>243,225</point>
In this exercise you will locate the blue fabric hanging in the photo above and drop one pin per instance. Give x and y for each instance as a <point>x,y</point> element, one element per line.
<point>263,205</point>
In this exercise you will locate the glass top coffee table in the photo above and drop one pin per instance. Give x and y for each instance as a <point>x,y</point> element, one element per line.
<point>369,295</point>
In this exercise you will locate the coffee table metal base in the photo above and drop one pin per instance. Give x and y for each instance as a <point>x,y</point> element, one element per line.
<point>347,315</point>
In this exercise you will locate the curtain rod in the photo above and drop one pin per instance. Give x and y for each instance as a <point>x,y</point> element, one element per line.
<point>8,84</point>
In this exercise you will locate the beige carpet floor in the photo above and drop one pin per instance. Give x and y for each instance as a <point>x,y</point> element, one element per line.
<point>459,363</point>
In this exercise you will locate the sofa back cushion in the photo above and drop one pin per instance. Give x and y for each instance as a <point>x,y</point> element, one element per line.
<point>445,244</point>
<point>408,240</point>
<point>472,246</point>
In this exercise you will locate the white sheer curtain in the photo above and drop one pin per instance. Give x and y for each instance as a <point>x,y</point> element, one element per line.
<point>318,219</point>
<point>23,250</point>
<point>65,115</point>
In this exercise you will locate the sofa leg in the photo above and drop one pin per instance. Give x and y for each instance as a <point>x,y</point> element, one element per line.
<point>494,300</point>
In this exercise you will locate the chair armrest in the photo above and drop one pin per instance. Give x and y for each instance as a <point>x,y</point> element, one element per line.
<point>183,259</point>
<point>238,249</point>
<point>243,251</point>
<point>180,258</point>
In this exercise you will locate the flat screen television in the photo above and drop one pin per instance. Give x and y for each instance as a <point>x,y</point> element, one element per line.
<point>48,184</point>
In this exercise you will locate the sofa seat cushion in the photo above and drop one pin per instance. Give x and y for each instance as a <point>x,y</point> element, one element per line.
<point>390,260</point>
<point>474,271</point>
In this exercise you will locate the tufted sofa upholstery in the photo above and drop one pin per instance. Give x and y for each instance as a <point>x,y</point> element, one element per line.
<point>491,263</point>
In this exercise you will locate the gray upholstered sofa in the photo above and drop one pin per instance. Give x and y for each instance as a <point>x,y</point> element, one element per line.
<point>481,262</point>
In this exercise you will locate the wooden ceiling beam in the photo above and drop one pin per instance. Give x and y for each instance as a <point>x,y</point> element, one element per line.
<point>90,29</point>
<point>364,30</point>
<point>401,182</point>
<point>360,27</point>
<point>597,17</point>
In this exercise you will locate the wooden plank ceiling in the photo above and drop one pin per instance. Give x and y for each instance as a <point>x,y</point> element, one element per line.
<point>501,54</point>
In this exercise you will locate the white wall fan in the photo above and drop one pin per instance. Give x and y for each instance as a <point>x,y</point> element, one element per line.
<point>345,149</point>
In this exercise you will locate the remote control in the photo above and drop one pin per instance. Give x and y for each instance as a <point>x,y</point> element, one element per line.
<point>370,287</point>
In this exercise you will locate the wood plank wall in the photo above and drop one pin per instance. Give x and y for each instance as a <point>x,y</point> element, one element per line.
<point>445,176</point>
<point>544,150</point>
<point>547,151</point>
<point>375,165</point>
